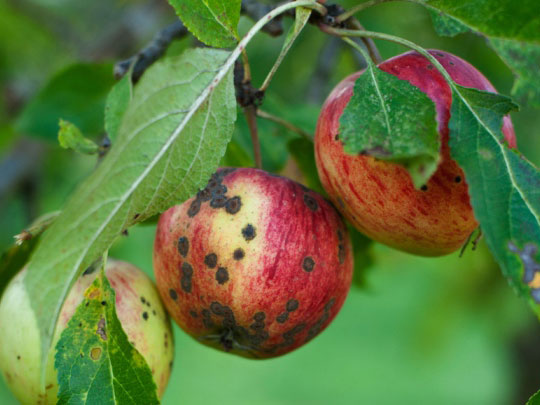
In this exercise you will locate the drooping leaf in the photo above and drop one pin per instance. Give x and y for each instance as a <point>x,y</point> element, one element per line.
<point>213,22</point>
<point>390,119</point>
<point>76,94</point>
<point>117,103</point>
<point>14,258</point>
<point>71,137</point>
<point>504,187</point>
<point>495,18</point>
<point>172,137</point>
<point>96,363</point>
<point>303,152</point>
<point>524,60</point>
<point>445,25</point>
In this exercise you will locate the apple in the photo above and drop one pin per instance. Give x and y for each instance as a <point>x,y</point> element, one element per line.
<point>378,197</point>
<point>138,308</point>
<point>255,264</point>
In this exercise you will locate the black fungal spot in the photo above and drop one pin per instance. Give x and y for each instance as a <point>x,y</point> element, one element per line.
<point>311,202</point>
<point>217,308</point>
<point>210,260</point>
<point>458,179</point>
<point>308,264</point>
<point>439,54</point>
<point>430,66</point>
<point>282,318</point>
<point>185,283</point>
<point>154,312</point>
<point>143,300</point>
<point>194,208</point>
<point>145,316</point>
<point>336,138</point>
<point>148,304</point>
<point>219,201</point>
<point>193,314</point>
<point>423,188</point>
<point>257,325</point>
<point>452,63</point>
<point>183,246</point>
<point>205,313</point>
<point>173,294</point>
<point>330,304</point>
<point>341,253</point>
<point>292,305</point>
<point>259,316</point>
<point>249,232</point>
<point>233,205</point>
<point>204,195</point>
<point>187,270</point>
<point>222,275</point>
<point>218,190</point>
<point>238,254</point>
<point>340,235</point>
<point>103,303</point>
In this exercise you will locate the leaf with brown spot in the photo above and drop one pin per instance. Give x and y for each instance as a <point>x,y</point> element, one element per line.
<point>94,351</point>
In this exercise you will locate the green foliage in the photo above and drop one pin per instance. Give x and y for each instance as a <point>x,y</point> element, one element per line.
<point>173,135</point>
<point>71,137</point>
<point>303,152</point>
<point>535,399</point>
<point>96,363</point>
<point>524,60</point>
<point>363,256</point>
<point>390,119</point>
<point>504,187</point>
<point>213,22</point>
<point>76,94</point>
<point>117,103</point>
<point>513,32</point>
<point>497,18</point>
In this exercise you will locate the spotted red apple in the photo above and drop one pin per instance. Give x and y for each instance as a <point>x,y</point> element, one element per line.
<point>255,264</point>
<point>379,197</point>
<point>138,308</point>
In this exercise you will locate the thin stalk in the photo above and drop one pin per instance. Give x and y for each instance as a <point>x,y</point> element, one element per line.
<point>368,42</point>
<point>251,117</point>
<point>290,126</point>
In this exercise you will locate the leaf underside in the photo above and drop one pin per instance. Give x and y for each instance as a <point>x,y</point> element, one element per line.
<point>171,140</point>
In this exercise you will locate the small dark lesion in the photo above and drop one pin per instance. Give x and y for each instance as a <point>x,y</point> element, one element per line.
<point>424,188</point>
<point>238,254</point>
<point>183,246</point>
<point>308,264</point>
<point>249,232</point>
<point>210,260</point>
<point>457,179</point>
<point>282,318</point>
<point>233,205</point>
<point>222,275</point>
<point>311,203</point>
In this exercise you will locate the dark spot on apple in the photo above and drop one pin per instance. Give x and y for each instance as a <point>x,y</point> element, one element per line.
<point>308,264</point>
<point>423,188</point>
<point>145,315</point>
<point>154,312</point>
<point>292,305</point>
<point>249,232</point>
<point>430,66</point>
<point>259,316</point>
<point>216,308</point>
<point>340,235</point>
<point>173,294</point>
<point>222,275</point>
<point>210,260</point>
<point>185,283</point>
<point>311,202</point>
<point>183,246</point>
<point>238,254</point>
<point>143,300</point>
<point>103,303</point>
<point>336,138</point>
<point>259,325</point>
<point>439,54</point>
<point>452,63</point>
<point>233,205</point>
<point>330,304</point>
<point>281,318</point>
<point>205,313</point>
<point>194,208</point>
<point>458,179</point>
<point>193,314</point>
<point>187,273</point>
<point>218,201</point>
<point>204,195</point>
<point>187,270</point>
<point>341,253</point>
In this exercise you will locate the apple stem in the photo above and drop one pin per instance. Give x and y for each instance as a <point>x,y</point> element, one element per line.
<point>290,126</point>
<point>251,117</point>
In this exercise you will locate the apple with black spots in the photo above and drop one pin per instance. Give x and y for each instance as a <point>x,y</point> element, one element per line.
<point>255,264</point>
<point>378,197</point>
<point>138,307</point>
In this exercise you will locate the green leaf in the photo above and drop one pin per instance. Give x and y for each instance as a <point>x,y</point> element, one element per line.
<point>390,119</point>
<point>14,258</point>
<point>496,18</point>
<point>213,22</point>
<point>535,399</point>
<point>117,103</point>
<point>524,60</point>
<point>96,363</point>
<point>76,94</point>
<point>445,25</point>
<point>504,187</point>
<point>303,153</point>
<point>171,140</point>
<point>71,137</point>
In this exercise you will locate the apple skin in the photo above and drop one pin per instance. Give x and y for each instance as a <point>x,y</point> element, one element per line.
<point>255,264</point>
<point>20,349</point>
<point>378,197</point>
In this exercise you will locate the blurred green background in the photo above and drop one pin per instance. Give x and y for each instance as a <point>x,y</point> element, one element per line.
<point>420,331</point>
